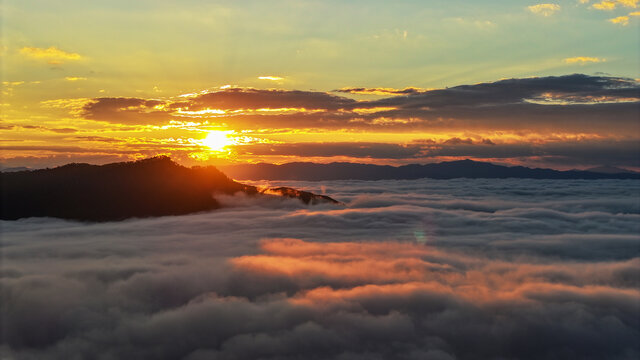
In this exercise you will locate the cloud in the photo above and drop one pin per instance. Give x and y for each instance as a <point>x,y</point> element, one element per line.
<point>52,55</point>
<point>74,78</point>
<point>247,104</point>
<point>460,108</point>
<point>248,98</point>
<point>555,153</point>
<point>530,117</point>
<point>42,159</point>
<point>467,269</point>
<point>612,4</point>
<point>544,9</point>
<point>380,91</point>
<point>605,5</point>
<point>271,78</point>
<point>629,3</point>
<point>130,111</point>
<point>583,60</point>
<point>351,149</point>
<point>42,128</point>
<point>49,148</point>
<point>624,20</point>
<point>583,153</point>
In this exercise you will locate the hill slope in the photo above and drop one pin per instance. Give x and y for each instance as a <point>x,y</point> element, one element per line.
<point>152,187</point>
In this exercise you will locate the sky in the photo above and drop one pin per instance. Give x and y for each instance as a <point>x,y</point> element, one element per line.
<point>213,83</point>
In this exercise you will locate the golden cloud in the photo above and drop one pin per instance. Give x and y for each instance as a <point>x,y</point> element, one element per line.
<point>624,20</point>
<point>605,5</point>
<point>53,55</point>
<point>612,4</point>
<point>583,60</point>
<point>544,9</point>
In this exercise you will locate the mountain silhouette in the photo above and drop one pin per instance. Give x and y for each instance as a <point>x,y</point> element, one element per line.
<point>151,187</point>
<point>610,170</point>
<point>444,170</point>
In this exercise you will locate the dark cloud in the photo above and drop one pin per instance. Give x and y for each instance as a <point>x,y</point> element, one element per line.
<point>44,161</point>
<point>247,98</point>
<point>558,153</point>
<point>380,91</point>
<point>38,127</point>
<point>565,153</point>
<point>514,91</point>
<point>64,130</point>
<point>571,103</point>
<point>98,138</point>
<point>458,141</point>
<point>125,111</point>
<point>57,149</point>
<point>425,269</point>
<point>356,150</point>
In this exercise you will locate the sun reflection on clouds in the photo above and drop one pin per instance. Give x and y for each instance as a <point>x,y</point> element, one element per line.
<point>271,78</point>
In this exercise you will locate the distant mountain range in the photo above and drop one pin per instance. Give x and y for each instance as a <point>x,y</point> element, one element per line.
<point>444,170</point>
<point>610,170</point>
<point>152,187</point>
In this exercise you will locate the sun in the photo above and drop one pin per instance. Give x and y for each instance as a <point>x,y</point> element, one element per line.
<point>217,140</point>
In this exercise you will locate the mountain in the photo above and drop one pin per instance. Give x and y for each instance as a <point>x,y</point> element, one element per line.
<point>443,170</point>
<point>304,196</point>
<point>610,170</point>
<point>151,187</point>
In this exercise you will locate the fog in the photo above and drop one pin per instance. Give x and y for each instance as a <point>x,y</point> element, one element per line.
<point>423,269</point>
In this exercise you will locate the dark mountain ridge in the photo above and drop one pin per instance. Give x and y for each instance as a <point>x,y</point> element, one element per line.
<point>444,170</point>
<point>151,187</point>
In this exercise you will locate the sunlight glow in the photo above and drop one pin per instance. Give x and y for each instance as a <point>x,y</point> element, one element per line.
<point>217,140</point>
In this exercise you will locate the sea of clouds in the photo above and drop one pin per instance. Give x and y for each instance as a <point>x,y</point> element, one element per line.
<point>422,269</point>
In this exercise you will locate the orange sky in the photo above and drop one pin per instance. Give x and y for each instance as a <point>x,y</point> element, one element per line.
<point>214,83</point>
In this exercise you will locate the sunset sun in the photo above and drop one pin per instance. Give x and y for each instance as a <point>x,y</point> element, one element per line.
<point>217,140</point>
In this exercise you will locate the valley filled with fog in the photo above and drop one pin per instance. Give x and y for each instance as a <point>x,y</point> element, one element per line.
<point>415,269</point>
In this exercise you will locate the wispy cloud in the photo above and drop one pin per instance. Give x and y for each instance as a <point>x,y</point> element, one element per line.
<point>605,5</point>
<point>613,4</point>
<point>380,91</point>
<point>583,60</point>
<point>544,9</point>
<point>75,78</point>
<point>271,78</point>
<point>52,55</point>
<point>624,20</point>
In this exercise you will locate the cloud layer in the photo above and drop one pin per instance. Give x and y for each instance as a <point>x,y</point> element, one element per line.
<point>571,121</point>
<point>575,103</point>
<point>425,269</point>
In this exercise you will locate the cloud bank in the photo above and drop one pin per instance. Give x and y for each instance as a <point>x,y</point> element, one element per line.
<point>565,103</point>
<point>425,269</point>
<point>571,121</point>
